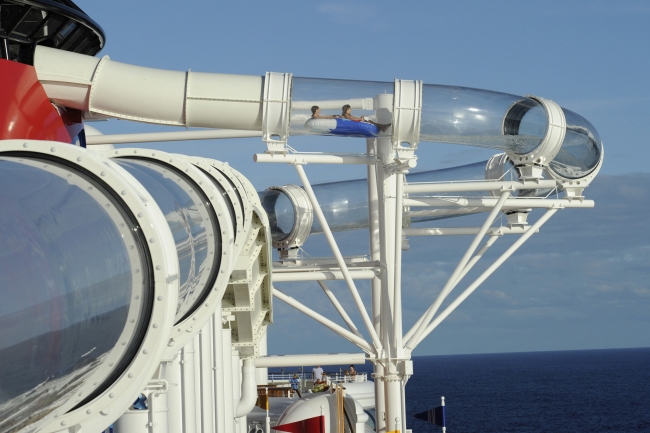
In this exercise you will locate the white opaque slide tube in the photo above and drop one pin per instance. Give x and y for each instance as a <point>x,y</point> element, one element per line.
<point>114,89</point>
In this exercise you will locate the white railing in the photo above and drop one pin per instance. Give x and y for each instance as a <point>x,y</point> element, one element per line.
<point>334,377</point>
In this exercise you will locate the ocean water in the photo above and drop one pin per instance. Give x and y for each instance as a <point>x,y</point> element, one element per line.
<point>568,391</point>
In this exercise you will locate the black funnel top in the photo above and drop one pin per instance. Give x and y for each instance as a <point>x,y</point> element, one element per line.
<point>58,24</point>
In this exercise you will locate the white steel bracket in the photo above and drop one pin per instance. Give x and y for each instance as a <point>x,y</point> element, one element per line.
<point>407,116</point>
<point>531,163</point>
<point>575,187</point>
<point>275,111</point>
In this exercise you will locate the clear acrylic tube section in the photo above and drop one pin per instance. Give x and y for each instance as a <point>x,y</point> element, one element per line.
<point>73,271</point>
<point>192,223</point>
<point>371,101</point>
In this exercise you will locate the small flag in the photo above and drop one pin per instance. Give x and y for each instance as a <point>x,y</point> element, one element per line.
<point>434,416</point>
<point>309,425</point>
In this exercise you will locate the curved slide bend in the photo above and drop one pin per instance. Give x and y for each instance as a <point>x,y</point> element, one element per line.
<point>514,124</point>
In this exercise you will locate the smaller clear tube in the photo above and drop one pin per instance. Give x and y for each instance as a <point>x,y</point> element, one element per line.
<point>190,218</point>
<point>345,203</point>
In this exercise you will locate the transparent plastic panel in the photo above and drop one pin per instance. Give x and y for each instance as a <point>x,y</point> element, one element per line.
<point>192,223</point>
<point>345,203</point>
<point>457,115</point>
<point>280,211</point>
<point>226,197</point>
<point>581,148</point>
<point>368,113</point>
<point>75,282</point>
<point>481,118</point>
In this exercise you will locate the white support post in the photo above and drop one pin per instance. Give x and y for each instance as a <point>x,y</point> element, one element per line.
<point>415,332</point>
<point>386,255</point>
<point>380,400</point>
<point>225,357</point>
<point>374,225</point>
<point>393,402</point>
<point>174,395</point>
<point>373,232</point>
<point>352,338</point>
<point>397,283</point>
<point>335,302</point>
<point>339,258</point>
<point>188,390</point>
<point>489,271</point>
<point>219,372</point>
<point>207,383</point>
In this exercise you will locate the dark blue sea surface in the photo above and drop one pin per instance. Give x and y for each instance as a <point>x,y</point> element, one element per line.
<point>569,391</point>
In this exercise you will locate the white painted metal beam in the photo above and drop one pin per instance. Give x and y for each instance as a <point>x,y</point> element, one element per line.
<point>489,271</point>
<point>339,257</point>
<point>459,231</point>
<point>415,332</point>
<point>513,203</point>
<point>310,359</point>
<point>363,344</point>
<point>335,302</point>
<point>313,158</point>
<point>156,137</point>
<point>467,186</point>
<point>321,275</point>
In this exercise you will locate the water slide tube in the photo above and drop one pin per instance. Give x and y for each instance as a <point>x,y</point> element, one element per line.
<point>519,126</point>
<point>105,256</point>
<point>345,203</point>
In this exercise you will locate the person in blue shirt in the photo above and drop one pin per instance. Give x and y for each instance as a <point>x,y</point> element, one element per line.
<point>295,385</point>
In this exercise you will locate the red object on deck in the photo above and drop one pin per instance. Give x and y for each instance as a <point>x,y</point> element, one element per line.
<point>309,425</point>
<point>25,110</point>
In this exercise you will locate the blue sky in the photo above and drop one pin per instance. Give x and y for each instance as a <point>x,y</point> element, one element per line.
<point>583,283</point>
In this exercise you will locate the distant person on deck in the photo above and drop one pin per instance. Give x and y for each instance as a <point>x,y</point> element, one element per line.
<point>317,373</point>
<point>295,385</point>
<point>352,371</point>
<point>321,384</point>
<point>347,114</point>
<point>315,114</point>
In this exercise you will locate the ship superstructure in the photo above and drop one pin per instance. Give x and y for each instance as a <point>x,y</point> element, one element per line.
<point>131,273</point>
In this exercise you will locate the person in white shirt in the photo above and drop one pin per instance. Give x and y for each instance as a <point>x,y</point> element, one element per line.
<point>317,373</point>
